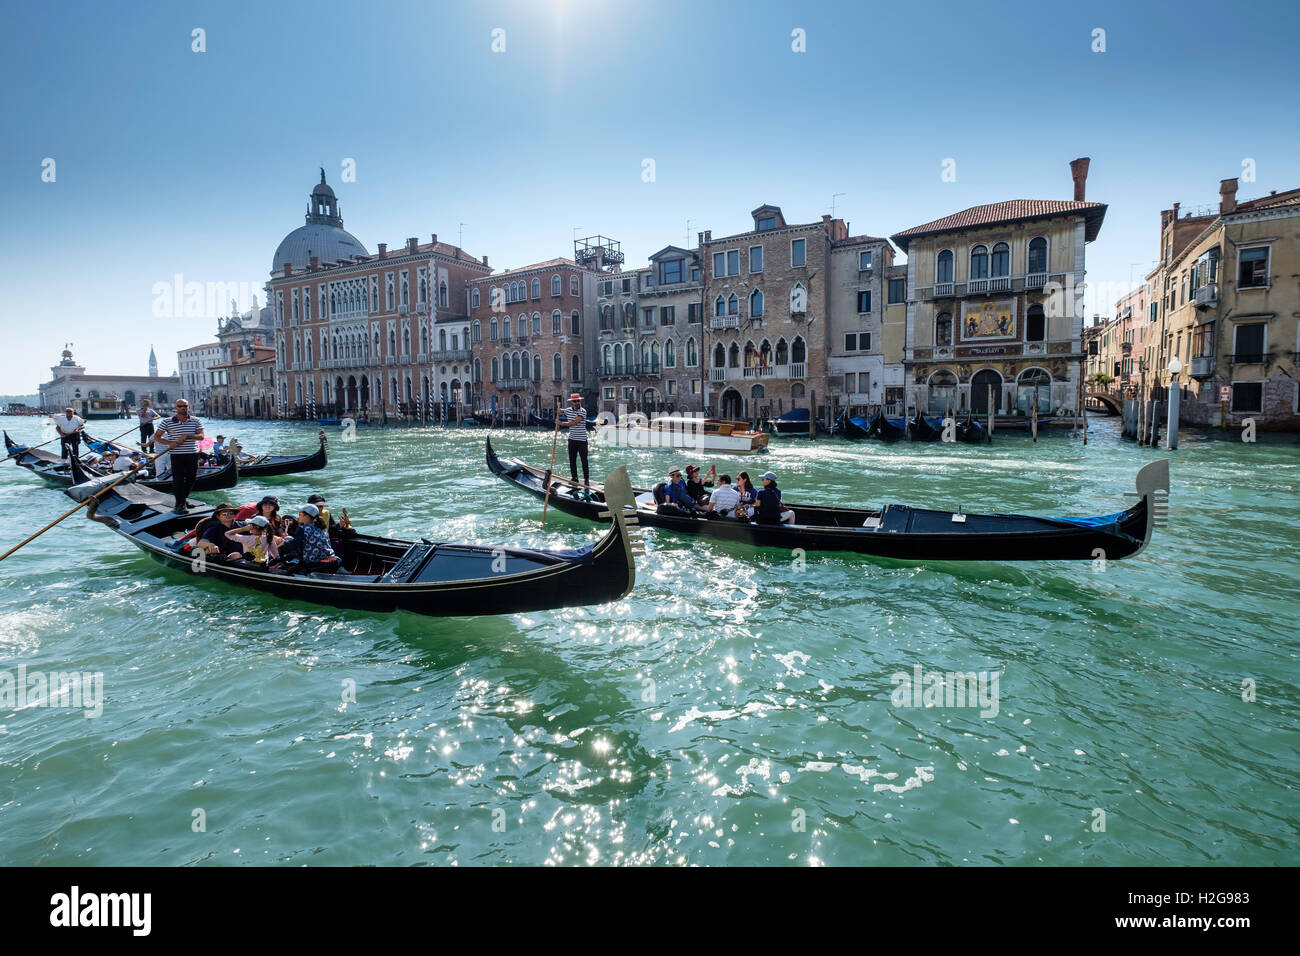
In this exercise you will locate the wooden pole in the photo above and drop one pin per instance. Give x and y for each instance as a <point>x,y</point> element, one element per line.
<point>1033,416</point>
<point>991,410</point>
<point>66,514</point>
<point>812,414</point>
<point>1083,412</point>
<point>555,440</point>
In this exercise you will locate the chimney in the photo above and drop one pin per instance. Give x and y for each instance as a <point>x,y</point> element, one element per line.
<point>383,250</point>
<point>1079,173</point>
<point>411,243</point>
<point>315,263</point>
<point>1176,205</point>
<point>435,238</point>
<point>1227,196</point>
<point>485,260</point>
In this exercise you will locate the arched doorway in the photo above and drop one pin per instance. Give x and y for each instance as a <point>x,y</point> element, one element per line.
<point>979,391</point>
<point>943,392</point>
<point>650,400</point>
<point>340,394</point>
<point>1034,388</point>
<point>352,393</point>
<point>365,393</point>
<point>731,405</point>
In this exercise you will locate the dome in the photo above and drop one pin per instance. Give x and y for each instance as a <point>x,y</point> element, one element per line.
<point>326,243</point>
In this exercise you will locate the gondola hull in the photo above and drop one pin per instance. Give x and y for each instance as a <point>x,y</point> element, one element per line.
<point>900,532</point>
<point>56,470</point>
<point>384,574</point>
<point>884,429</point>
<point>266,466</point>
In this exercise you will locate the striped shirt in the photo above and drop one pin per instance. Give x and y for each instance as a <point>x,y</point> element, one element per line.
<point>173,428</point>
<point>578,430</point>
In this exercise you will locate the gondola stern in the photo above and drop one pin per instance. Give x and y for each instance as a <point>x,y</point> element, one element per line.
<point>1153,491</point>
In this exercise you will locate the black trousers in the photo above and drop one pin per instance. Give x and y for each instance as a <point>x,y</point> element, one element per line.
<point>185,471</point>
<point>578,449</point>
<point>70,443</point>
<point>146,432</point>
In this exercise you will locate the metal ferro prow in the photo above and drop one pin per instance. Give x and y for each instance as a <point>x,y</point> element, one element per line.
<point>1153,485</point>
<point>619,501</point>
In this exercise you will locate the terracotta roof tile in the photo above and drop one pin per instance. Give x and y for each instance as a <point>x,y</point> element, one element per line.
<point>1010,211</point>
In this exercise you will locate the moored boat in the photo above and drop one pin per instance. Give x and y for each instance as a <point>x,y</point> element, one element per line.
<point>253,466</point>
<point>797,421</point>
<point>885,429</point>
<point>56,470</point>
<point>387,574</point>
<point>686,433</point>
<point>894,531</point>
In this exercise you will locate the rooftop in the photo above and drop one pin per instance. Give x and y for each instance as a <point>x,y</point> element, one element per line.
<point>1012,210</point>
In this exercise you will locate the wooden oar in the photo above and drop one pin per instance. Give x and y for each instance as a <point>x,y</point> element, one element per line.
<point>555,440</point>
<point>79,506</point>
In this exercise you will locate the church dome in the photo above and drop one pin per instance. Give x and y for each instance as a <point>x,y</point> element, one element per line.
<point>323,235</point>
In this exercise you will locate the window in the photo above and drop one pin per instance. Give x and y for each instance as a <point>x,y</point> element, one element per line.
<point>850,379</point>
<point>1037,255</point>
<point>576,367</point>
<point>692,353</point>
<point>695,386</point>
<point>979,262</point>
<point>733,304</point>
<point>695,273</point>
<point>648,280</point>
<point>1247,396</point>
<point>670,271</point>
<point>799,252</point>
<point>556,323</point>
<point>733,262</point>
<point>627,285</point>
<point>857,342</point>
<point>943,267</point>
<point>1035,324</point>
<point>374,293</point>
<point>535,290</point>
<point>555,285</point>
<point>719,306</point>
<point>557,367</point>
<point>897,290</point>
<point>607,287</point>
<point>575,326</point>
<point>537,368</point>
<point>473,299</point>
<point>1252,268</point>
<point>719,263</point>
<point>671,385</point>
<point>649,320</point>
<point>864,301</point>
<point>492,333</point>
<point>670,354</point>
<point>755,258</point>
<point>693,312</point>
<point>1248,346</point>
<point>799,351</point>
<point>495,367</point>
<point>864,260</point>
<point>507,329</point>
<point>606,318</point>
<point>943,329</point>
<point>756,304</point>
<point>766,222</point>
<point>1001,260</point>
<point>609,393</point>
<point>573,285</point>
<point>667,315</point>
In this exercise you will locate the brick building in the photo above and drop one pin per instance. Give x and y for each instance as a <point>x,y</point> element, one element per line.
<point>855,321</point>
<point>243,386</point>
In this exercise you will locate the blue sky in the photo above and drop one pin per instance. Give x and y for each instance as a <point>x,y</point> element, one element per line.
<point>170,161</point>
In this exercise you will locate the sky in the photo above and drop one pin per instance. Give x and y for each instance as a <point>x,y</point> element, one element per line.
<point>169,161</point>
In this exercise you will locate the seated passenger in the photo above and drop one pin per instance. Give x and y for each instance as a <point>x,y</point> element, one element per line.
<point>210,534</point>
<point>676,500</point>
<point>768,509</point>
<point>219,450</point>
<point>268,508</point>
<point>310,543</point>
<point>694,487</point>
<point>261,545</point>
<point>724,500</point>
<point>745,489</point>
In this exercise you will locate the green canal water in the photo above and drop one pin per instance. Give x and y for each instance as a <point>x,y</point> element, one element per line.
<point>737,708</point>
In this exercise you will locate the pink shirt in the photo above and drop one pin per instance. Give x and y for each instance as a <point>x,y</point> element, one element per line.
<point>252,543</point>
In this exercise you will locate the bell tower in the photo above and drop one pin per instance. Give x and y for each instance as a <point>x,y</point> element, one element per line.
<point>323,206</point>
<point>153,363</point>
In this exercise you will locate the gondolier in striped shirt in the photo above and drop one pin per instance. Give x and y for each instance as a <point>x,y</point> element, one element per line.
<point>575,417</point>
<point>179,437</point>
<point>147,417</point>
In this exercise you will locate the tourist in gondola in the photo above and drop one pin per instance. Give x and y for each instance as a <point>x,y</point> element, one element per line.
<point>575,419</point>
<point>259,542</point>
<point>179,436</point>
<point>694,487</point>
<point>268,508</point>
<point>747,496</point>
<point>210,534</point>
<point>675,500</point>
<point>147,417</point>
<point>69,427</point>
<point>130,463</point>
<point>310,543</point>
<point>219,450</point>
<point>723,501</point>
<point>768,509</point>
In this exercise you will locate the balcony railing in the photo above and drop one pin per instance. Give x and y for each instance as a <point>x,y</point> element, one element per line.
<point>1035,280</point>
<point>1202,366</point>
<point>724,322</point>
<point>943,290</point>
<point>451,355</point>
<point>390,359</point>
<point>1207,296</point>
<point>624,371</point>
<point>717,375</point>
<point>1248,358</point>
<point>793,370</point>
<point>1000,284</point>
<point>512,384</point>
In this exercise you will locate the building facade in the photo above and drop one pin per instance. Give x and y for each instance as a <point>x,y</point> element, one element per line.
<point>994,306</point>
<point>855,320</point>
<point>244,385</point>
<point>194,369</point>
<point>69,385</point>
<point>766,297</point>
<point>355,334</point>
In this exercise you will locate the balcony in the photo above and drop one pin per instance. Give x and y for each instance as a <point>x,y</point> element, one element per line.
<point>522,338</point>
<point>1035,280</point>
<point>1248,358</point>
<point>1202,366</point>
<point>390,359</point>
<point>724,322</point>
<point>628,371</point>
<point>793,370</point>
<point>512,384</point>
<point>422,358</point>
<point>1207,297</point>
<point>451,355</point>
<point>717,375</point>
<point>943,290</point>
<point>1000,284</point>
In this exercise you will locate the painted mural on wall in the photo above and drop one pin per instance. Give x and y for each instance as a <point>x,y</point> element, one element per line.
<point>988,320</point>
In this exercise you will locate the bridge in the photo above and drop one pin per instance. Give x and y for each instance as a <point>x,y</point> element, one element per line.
<point>1110,399</point>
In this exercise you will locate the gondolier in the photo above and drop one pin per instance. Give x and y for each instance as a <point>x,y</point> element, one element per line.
<point>575,417</point>
<point>180,435</point>
<point>69,428</point>
<point>147,417</point>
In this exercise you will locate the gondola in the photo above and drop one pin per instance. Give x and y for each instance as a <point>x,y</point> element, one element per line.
<point>262,466</point>
<point>385,574</point>
<point>971,432</point>
<point>546,422</point>
<point>894,531</point>
<point>55,470</point>
<point>922,429</point>
<point>884,429</point>
<point>797,421</point>
<point>855,427</point>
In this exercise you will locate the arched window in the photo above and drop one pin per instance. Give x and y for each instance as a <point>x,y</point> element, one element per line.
<point>756,304</point>
<point>473,298</point>
<point>733,304</point>
<point>797,390</point>
<point>1035,324</point>
<point>555,291</point>
<point>782,352</point>
<point>719,355</point>
<point>519,366</point>
<point>442,295</point>
<point>492,329</point>
<point>506,329</point>
<point>629,317</point>
<point>494,298</point>
<point>606,318</point>
<point>943,267</point>
<point>765,354</point>
<point>1001,262</point>
<point>478,371</point>
<point>523,327</point>
<point>607,358</point>
<point>406,341</point>
<point>670,354</point>
<point>733,356</point>
<point>478,331</point>
<point>943,392</point>
<point>378,388</point>
<point>719,306</point>
<point>536,288</point>
<point>645,356</point>
<point>495,376</point>
<point>1037,255</point>
<point>575,325</point>
<point>751,355</point>
<point>979,262</point>
<point>556,322</point>
<point>576,364</point>
<point>798,351</point>
<point>692,353</point>
<point>943,329</point>
<point>537,368</point>
<point>557,365</point>
<point>654,356</point>
<point>618,360</point>
<point>537,323</point>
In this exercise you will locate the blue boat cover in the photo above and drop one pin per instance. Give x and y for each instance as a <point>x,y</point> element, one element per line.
<point>794,415</point>
<point>1100,521</point>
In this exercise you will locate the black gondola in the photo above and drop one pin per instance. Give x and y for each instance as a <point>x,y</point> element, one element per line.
<point>263,466</point>
<point>546,422</point>
<point>971,432</point>
<point>797,421</point>
<point>882,428</point>
<point>855,427</point>
<point>56,470</point>
<point>385,574</point>
<point>923,430</point>
<point>895,531</point>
